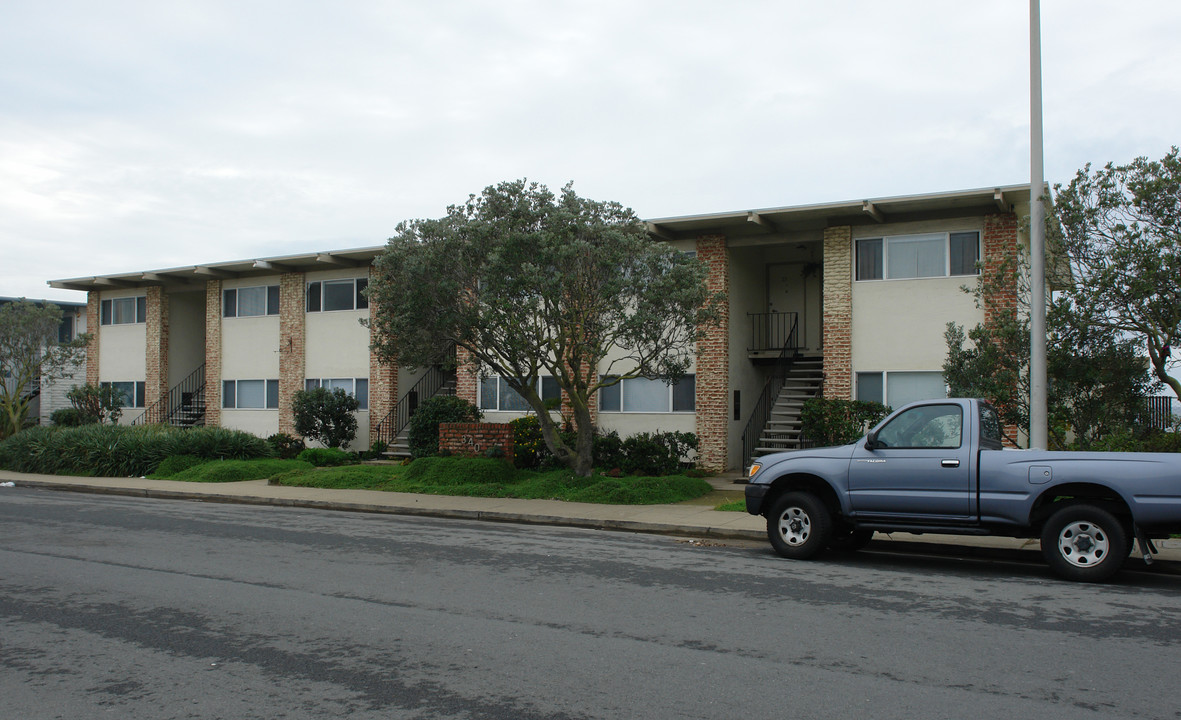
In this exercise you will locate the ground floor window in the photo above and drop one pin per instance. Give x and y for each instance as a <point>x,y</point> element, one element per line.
<point>357,387</point>
<point>899,388</point>
<point>495,393</point>
<point>250,394</point>
<point>133,393</point>
<point>647,395</point>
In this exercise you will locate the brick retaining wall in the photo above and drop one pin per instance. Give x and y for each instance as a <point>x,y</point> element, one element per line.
<point>474,439</point>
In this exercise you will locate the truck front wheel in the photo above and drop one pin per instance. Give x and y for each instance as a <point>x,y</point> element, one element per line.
<point>1084,543</point>
<point>799,525</point>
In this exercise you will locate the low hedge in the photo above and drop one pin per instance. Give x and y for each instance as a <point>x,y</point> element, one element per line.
<point>121,450</point>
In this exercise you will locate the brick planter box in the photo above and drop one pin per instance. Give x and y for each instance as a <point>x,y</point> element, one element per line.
<point>474,439</point>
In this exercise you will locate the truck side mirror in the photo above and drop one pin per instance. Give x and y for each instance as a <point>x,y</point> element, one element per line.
<point>871,441</point>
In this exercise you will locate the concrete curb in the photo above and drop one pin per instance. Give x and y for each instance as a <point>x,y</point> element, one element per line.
<point>638,526</point>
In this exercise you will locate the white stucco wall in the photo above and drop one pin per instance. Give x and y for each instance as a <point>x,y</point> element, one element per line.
<point>186,334</point>
<point>899,324</point>
<point>262,423</point>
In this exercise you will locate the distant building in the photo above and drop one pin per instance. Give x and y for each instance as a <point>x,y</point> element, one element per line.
<point>49,396</point>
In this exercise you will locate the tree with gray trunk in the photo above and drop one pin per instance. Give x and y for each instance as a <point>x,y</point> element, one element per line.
<point>532,284</point>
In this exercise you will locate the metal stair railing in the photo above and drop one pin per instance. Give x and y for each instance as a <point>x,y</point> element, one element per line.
<point>186,398</point>
<point>397,419</point>
<point>766,401</point>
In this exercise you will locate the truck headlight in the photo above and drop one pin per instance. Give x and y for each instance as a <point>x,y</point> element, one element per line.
<point>754,470</point>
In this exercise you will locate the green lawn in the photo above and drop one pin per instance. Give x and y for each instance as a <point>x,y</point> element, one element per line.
<point>472,477</point>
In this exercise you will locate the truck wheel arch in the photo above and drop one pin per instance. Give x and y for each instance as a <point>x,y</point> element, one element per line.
<point>1054,498</point>
<point>806,483</point>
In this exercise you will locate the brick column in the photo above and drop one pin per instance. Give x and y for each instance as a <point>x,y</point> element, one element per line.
<point>292,342</point>
<point>713,361</point>
<point>838,312</point>
<point>156,386</point>
<point>383,381</point>
<point>93,327</point>
<point>213,352</point>
<point>1000,248</point>
<point>467,385</point>
<point>1000,244</point>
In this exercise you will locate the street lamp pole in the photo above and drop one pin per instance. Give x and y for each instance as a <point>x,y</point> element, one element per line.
<point>1037,240</point>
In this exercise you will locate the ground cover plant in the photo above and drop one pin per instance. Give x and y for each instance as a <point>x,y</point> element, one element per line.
<point>219,471</point>
<point>121,450</point>
<point>483,477</point>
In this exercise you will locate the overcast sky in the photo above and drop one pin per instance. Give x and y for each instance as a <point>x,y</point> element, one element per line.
<point>146,135</point>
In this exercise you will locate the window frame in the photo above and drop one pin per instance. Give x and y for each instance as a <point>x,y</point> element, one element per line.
<point>230,398</point>
<point>109,314</point>
<point>352,390</point>
<point>612,399</point>
<point>316,295</point>
<point>137,395</point>
<point>911,432</point>
<point>883,377</point>
<point>871,255</point>
<point>230,305</point>
<point>547,387</point>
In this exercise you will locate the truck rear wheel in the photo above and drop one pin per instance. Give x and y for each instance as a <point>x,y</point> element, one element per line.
<point>799,525</point>
<point>1084,543</point>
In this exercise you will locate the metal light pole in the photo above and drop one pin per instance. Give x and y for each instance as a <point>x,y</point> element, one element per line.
<point>1037,239</point>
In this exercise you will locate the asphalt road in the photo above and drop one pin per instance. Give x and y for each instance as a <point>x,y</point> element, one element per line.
<point>135,608</point>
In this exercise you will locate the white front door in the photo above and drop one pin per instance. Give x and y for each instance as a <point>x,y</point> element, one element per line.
<point>795,287</point>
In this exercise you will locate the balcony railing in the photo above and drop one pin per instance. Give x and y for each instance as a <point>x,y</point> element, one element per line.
<point>773,332</point>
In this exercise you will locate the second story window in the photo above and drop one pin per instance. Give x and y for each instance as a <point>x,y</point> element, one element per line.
<point>329,295</point>
<point>250,301</point>
<point>124,311</point>
<point>918,256</point>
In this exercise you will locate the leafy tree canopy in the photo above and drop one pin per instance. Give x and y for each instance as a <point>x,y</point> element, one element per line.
<point>30,354</point>
<point>1118,299</point>
<point>1122,230</point>
<point>529,283</point>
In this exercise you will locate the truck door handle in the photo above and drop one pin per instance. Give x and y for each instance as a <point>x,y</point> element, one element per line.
<point>949,463</point>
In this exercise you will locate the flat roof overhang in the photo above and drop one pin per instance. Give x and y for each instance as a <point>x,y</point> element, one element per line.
<point>745,224</point>
<point>196,275</point>
<point>780,220</point>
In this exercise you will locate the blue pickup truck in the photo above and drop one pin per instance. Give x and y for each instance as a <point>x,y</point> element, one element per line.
<point>937,466</point>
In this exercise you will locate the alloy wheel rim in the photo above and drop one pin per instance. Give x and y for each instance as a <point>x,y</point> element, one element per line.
<point>795,526</point>
<point>1083,543</point>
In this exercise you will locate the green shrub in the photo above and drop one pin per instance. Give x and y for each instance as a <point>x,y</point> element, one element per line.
<point>176,463</point>
<point>219,471</point>
<point>326,415</point>
<point>828,422</point>
<point>100,403</point>
<point>1127,441</point>
<point>121,450</point>
<point>326,457</point>
<point>608,451</point>
<point>70,417</point>
<point>657,454</point>
<point>424,424</point>
<point>285,446</point>
<point>458,471</point>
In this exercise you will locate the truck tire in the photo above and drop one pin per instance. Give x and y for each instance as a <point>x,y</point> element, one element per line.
<point>1084,543</point>
<point>799,525</point>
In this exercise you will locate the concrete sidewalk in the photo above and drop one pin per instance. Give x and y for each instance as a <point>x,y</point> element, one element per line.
<point>694,519</point>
